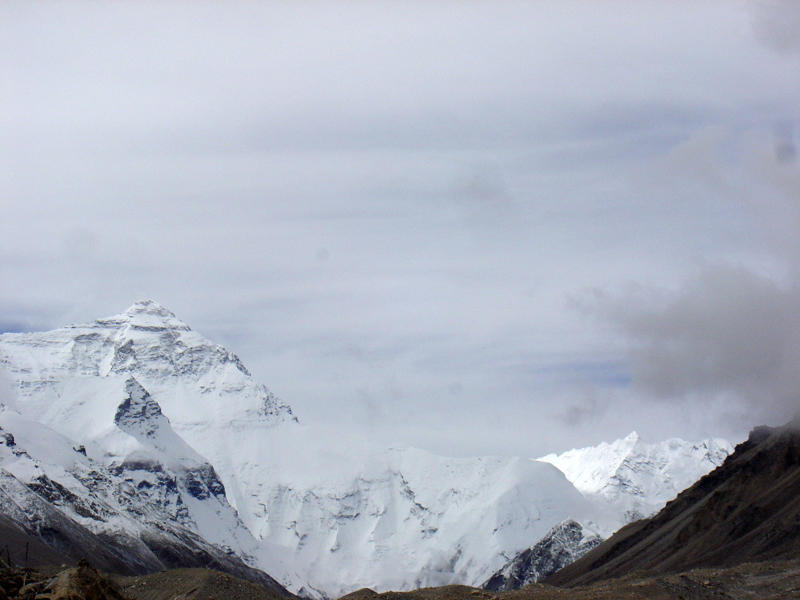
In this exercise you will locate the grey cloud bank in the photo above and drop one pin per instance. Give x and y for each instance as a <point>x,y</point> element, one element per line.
<point>404,216</point>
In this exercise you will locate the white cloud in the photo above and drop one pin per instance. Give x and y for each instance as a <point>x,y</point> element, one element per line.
<point>378,204</point>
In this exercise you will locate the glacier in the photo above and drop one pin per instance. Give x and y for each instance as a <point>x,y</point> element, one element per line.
<point>175,431</point>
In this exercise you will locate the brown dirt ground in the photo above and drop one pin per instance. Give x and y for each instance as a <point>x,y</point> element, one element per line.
<point>771,580</point>
<point>194,584</point>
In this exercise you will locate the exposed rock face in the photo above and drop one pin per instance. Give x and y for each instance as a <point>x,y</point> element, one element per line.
<point>746,510</point>
<point>563,545</point>
<point>139,415</point>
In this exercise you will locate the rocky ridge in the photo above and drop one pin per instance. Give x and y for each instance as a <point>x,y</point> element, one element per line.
<point>562,545</point>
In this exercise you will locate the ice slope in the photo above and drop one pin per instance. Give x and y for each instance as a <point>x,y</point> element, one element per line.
<point>634,479</point>
<point>401,518</point>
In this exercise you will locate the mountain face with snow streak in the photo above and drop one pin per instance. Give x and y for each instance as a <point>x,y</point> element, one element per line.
<point>135,515</point>
<point>633,479</point>
<point>151,423</point>
<point>402,518</point>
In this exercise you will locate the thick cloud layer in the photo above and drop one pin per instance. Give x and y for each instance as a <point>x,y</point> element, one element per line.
<point>390,211</point>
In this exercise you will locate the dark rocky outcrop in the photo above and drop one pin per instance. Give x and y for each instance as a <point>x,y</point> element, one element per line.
<point>562,545</point>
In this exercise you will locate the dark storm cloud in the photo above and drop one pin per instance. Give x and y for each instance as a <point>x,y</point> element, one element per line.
<point>726,333</point>
<point>727,337</point>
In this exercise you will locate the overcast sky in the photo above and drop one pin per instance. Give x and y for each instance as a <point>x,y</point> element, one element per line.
<point>471,227</point>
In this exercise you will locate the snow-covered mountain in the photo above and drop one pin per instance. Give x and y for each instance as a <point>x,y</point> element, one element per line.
<point>403,518</point>
<point>160,432</point>
<point>634,479</point>
<point>140,394</point>
<point>134,515</point>
<point>125,391</point>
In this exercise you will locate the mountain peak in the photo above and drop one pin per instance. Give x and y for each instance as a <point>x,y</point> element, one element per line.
<point>632,437</point>
<point>645,476</point>
<point>150,308</point>
<point>147,315</point>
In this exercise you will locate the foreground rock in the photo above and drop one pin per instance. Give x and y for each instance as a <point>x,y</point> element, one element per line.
<point>84,582</point>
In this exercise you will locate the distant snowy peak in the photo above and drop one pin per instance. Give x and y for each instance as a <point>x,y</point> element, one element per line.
<point>591,469</point>
<point>648,474</point>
